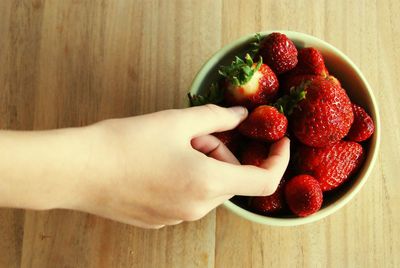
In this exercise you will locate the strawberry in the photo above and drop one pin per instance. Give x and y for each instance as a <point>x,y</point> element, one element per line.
<point>255,153</point>
<point>363,125</point>
<point>269,204</point>
<point>279,52</point>
<point>331,165</point>
<point>291,81</point>
<point>248,83</point>
<point>230,138</point>
<point>288,81</point>
<point>311,62</point>
<point>303,195</point>
<point>264,123</point>
<point>325,115</point>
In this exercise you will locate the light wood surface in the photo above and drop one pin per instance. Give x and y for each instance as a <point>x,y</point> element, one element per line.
<point>71,63</point>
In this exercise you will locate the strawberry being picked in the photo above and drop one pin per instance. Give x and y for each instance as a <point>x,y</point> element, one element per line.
<point>270,204</point>
<point>279,52</point>
<point>324,116</point>
<point>248,83</point>
<point>264,123</point>
<point>255,154</point>
<point>230,138</point>
<point>303,195</point>
<point>331,165</point>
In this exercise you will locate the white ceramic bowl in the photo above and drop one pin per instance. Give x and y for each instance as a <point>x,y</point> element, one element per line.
<point>358,90</point>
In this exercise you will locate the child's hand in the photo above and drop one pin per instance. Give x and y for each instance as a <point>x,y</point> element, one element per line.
<point>150,171</point>
<point>153,170</point>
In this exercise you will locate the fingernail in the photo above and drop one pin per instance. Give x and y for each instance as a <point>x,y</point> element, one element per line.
<point>239,110</point>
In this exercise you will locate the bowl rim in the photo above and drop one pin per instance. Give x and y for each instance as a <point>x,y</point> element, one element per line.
<point>375,142</point>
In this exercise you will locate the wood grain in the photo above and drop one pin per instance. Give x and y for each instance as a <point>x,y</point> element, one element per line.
<point>71,63</point>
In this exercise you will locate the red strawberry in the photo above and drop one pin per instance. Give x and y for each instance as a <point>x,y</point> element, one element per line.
<point>255,153</point>
<point>279,52</point>
<point>331,165</point>
<point>311,62</point>
<point>303,195</point>
<point>264,123</point>
<point>248,83</point>
<point>269,204</point>
<point>291,81</point>
<point>363,125</point>
<point>230,138</point>
<point>324,116</point>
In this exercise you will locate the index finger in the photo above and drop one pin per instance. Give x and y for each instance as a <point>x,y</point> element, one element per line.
<point>251,180</point>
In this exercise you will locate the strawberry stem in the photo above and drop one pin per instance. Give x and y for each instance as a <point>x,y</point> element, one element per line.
<point>240,71</point>
<point>287,103</point>
<point>255,45</point>
<point>214,94</point>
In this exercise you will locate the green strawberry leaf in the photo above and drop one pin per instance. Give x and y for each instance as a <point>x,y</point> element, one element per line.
<point>240,71</point>
<point>214,95</point>
<point>255,45</point>
<point>287,103</point>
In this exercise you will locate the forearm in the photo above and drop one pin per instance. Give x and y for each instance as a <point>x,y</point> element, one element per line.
<point>42,169</point>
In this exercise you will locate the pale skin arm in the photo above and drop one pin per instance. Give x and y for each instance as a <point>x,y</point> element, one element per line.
<point>150,171</point>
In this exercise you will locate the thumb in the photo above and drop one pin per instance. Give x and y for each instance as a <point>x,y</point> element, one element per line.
<point>210,118</point>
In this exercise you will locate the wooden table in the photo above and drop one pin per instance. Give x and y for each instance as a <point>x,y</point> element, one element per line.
<point>71,63</point>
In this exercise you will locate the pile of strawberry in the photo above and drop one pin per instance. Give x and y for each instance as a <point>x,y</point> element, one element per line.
<point>290,92</point>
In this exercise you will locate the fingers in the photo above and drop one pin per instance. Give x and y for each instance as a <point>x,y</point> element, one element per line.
<point>251,180</point>
<point>278,157</point>
<point>206,119</point>
<point>213,147</point>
